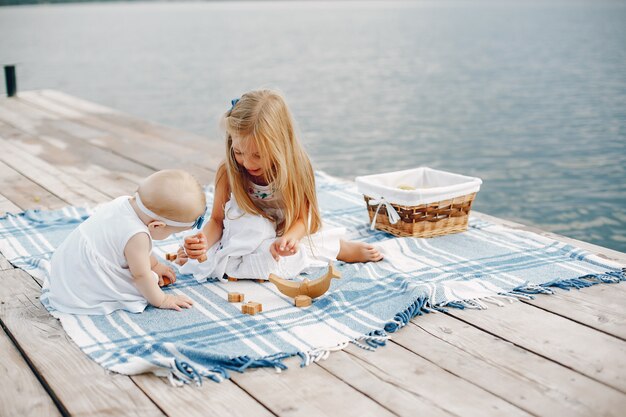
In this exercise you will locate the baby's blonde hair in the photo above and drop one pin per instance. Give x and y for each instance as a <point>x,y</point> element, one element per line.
<point>174,194</point>
<point>262,116</point>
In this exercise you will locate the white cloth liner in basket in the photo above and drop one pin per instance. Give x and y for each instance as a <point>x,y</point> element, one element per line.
<point>430,185</point>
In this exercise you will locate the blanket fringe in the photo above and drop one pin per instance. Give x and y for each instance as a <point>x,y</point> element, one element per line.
<point>318,354</point>
<point>242,363</point>
<point>528,291</point>
<point>372,340</point>
<point>475,304</point>
<point>184,373</point>
<point>611,277</point>
<point>417,308</point>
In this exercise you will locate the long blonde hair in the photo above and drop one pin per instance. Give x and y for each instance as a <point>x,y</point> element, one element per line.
<point>262,116</point>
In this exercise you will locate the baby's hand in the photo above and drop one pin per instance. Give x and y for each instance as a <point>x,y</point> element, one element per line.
<point>283,246</point>
<point>164,271</point>
<point>181,256</point>
<point>175,302</point>
<point>196,245</point>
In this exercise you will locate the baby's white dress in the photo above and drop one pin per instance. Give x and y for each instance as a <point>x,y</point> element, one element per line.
<point>89,273</point>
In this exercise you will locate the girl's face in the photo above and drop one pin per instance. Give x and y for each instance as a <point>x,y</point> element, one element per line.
<point>247,155</point>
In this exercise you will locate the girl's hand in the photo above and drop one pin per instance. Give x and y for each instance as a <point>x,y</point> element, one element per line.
<point>175,302</point>
<point>163,270</point>
<point>283,246</point>
<point>181,256</point>
<point>196,245</point>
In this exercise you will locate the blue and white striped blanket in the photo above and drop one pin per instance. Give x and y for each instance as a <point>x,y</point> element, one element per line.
<point>488,263</point>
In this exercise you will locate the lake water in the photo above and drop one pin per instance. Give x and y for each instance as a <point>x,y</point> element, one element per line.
<point>529,96</point>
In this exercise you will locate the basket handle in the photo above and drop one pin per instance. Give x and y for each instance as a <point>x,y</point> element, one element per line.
<point>393,215</point>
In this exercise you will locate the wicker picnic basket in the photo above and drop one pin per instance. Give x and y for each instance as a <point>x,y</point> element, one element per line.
<point>420,202</point>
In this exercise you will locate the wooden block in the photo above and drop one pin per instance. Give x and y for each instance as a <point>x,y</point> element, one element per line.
<point>231,279</point>
<point>235,297</point>
<point>251,308</point>
<point>302,301</point>
<point>166,282</point>
<point>171,256</point>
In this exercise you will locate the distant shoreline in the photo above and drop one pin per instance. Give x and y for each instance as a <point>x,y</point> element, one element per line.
<point>35,2</point>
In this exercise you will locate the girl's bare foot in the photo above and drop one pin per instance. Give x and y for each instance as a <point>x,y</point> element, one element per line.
<point>358,252</point>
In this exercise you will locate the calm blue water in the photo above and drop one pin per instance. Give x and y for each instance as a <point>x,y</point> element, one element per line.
<point>529,96</point>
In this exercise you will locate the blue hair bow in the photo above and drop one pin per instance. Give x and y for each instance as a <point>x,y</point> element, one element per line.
<point>233,102</point>
<point>198,223</point>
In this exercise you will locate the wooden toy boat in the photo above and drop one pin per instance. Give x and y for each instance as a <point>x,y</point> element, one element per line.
<point>306,287</point>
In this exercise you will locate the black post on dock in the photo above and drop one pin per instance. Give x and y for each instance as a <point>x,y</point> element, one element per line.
<point>9,76</point>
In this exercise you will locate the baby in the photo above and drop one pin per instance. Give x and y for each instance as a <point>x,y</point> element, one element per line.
<point>106,263</point>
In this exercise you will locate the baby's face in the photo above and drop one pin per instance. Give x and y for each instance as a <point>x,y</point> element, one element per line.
<point>247,155</point>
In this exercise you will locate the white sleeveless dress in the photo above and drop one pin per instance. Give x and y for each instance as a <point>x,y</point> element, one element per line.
<point>243,251</point>
<point>89,273</point>
<point>320,247</point>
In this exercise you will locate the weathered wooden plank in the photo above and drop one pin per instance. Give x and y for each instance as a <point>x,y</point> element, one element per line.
<point>400,398</point>
<point>105,171</point>
<point>211,399</point>
<point>24,193</point>
<point>406,384</point>
<point>4,263</point>
<point>81,385</point>
<point>403,370</point>
<point>600,307</point>
<point>592,353</point>
<point>21,393</point>
<point>77,103</point>
<point>310,391</point>
<point>40,121</point>
<point>6,206</point>
<point>162,153</point>
<point>531,382</point>
<point>151,152</point>
<point>619,288</point>
<point>69,188</point>
<point>396,397</point>
<point>113,116</point>
<point>25,120</point>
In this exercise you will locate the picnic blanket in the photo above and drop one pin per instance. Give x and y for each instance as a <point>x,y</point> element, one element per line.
<point>487,263</point>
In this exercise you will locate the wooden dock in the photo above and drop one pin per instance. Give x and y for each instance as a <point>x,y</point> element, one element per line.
<point>560,355</point>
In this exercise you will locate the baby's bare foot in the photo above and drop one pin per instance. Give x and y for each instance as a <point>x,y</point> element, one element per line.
<point>358,252</point>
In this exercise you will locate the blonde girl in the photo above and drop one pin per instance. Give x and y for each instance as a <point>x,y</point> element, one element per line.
<point>269,174</point>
